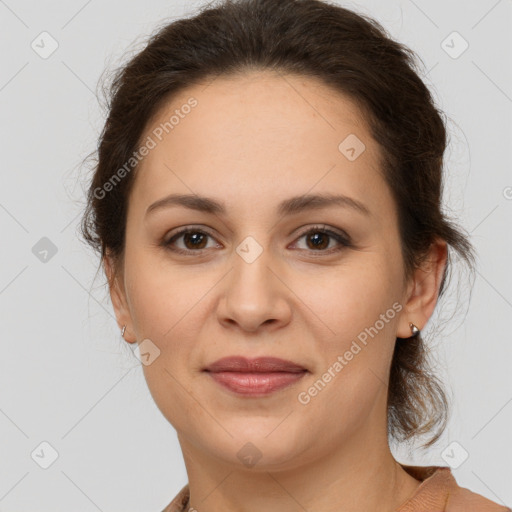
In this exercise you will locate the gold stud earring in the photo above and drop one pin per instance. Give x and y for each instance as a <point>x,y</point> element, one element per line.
<point>414,330</point>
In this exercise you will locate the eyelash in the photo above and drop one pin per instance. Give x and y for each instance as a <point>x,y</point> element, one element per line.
<point>343,240</point>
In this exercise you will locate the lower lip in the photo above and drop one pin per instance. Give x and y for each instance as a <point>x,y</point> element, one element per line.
<point>256,384</point>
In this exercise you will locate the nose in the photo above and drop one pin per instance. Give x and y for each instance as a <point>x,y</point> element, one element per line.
<point>254,295</point>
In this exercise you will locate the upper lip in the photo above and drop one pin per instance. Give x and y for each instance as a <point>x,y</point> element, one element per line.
<point>254,365</point>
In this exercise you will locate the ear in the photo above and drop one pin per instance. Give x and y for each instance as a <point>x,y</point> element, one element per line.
<point>118,298</point>
<point>423,290</point>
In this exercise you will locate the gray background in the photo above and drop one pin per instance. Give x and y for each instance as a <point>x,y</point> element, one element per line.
<point>66,376</point>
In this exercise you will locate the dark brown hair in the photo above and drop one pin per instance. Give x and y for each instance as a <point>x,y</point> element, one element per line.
<point>351,53</point>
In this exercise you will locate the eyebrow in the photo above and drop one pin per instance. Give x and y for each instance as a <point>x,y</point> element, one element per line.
<point>289,206</point>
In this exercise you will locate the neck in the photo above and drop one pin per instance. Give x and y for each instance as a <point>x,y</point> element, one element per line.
<point>360,476</point>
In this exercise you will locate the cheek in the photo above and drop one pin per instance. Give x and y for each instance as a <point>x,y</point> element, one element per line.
<point>160,295</point>
<point>360,305</point>
<point>350,298</point>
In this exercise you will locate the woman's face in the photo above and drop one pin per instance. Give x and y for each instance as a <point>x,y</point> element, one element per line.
<point>250,281</point>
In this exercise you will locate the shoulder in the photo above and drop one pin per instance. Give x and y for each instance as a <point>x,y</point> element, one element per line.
<point>440,491</point>
<point>461,499</point>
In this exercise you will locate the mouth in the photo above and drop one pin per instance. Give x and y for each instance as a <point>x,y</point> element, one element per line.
<point>255,377</point>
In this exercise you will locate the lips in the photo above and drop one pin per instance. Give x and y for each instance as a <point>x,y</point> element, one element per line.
<point>256,365</point>
<point>255,377</point>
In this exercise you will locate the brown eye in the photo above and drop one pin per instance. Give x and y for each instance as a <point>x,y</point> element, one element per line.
<point>318,239</point>
<point>193,240</point>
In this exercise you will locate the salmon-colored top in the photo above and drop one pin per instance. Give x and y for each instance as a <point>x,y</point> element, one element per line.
<point>438,492</point>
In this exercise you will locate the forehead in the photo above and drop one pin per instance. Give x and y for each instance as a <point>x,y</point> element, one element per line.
<point>259,132</point>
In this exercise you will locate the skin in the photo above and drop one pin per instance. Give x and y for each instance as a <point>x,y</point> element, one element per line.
<point>252,141</point>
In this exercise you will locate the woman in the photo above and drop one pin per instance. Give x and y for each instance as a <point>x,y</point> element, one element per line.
<point>267,208</point>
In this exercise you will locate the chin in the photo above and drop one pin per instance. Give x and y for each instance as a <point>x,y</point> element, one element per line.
<point>257,445</point>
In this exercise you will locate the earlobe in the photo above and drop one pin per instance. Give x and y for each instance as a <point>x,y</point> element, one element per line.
<point>422,297</point>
